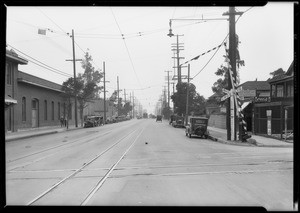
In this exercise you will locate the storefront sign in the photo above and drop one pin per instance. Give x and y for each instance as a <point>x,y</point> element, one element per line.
<point>261,99</point>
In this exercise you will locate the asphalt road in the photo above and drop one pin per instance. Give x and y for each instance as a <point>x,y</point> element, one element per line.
<point>143,162</point>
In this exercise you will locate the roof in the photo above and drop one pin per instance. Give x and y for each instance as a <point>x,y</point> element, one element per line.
<point>14,56</point>
<point>255,85</point>
<point>289,74</point>
<point>33,80</point>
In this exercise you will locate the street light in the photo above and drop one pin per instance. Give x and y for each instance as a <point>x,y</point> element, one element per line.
<point>170,30</point>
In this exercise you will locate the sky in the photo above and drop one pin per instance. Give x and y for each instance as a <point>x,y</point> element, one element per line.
<point>141,57</point>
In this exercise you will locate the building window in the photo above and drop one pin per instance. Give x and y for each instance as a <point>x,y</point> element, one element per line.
<point>8,73</point>
<point>52,111</point>
<point>273,91</point>
<point>45,110</point>
<point>289,90</point>
<point>279,90</point>
<point>23,109</point>
<point>70,111</point>
<point>58,110</point>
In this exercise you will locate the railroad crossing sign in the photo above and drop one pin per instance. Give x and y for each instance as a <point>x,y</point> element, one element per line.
<point>225,97</point>
<point>228,94</point>
<point>225,91</point>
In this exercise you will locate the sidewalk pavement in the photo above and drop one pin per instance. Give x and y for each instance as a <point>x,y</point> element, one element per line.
<point>220,135</point>
<point>28,133</point>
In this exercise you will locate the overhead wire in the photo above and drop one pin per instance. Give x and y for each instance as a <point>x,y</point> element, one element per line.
<point>126,47</point>
<point>219,46</point>
<point>41,63</point>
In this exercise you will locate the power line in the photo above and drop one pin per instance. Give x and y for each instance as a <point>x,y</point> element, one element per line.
<point>126,46</point>
<point>43,64</point>
<point>219,46</point>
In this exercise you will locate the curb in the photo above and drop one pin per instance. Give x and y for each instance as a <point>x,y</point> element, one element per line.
<point>255,143</point>
<point>39,134</point>
<point>220,140</point>
<point>30,136</point>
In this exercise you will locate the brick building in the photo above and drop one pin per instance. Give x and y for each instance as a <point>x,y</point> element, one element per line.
<point>32,102</point>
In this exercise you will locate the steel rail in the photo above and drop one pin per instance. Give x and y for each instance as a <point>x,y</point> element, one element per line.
<point>60,150</point>
<point>53,147</point>
<point>103,179</point>
<point>77,171</point>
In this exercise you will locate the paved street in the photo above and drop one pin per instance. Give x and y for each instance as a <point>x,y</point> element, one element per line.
<point>143,162</point>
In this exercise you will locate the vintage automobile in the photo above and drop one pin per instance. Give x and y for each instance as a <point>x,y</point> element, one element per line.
<point>159,118</point>
<point>92,121</point>
<point>197,126</point>
<point>178,121</point>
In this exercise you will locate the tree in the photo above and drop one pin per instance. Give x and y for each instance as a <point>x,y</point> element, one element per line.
<point>196,101</point>
<point>86,85</point>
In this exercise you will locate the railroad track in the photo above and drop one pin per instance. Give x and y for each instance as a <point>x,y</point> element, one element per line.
<point>80,169</point>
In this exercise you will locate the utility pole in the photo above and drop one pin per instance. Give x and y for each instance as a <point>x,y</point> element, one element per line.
<point>104,85</point>
<point>132,104</point>
<point>125,96</point>
<point>75,82</point>
<point>168,88</point>
<point>231,121</point>
<point>118,95</point>
<point>187,97</point>
<point>178,46</point>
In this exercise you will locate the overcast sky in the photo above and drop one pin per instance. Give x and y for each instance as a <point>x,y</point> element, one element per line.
<point>142,57</point>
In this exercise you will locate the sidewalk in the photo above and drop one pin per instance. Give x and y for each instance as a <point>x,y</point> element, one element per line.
<point>220,135</point>
<point>28,133</point>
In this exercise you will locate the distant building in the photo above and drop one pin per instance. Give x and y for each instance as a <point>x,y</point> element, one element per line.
<point>96,107</point>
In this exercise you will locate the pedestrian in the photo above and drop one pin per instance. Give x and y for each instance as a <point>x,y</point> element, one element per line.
<point>65,121</point>
<point>61,121</point>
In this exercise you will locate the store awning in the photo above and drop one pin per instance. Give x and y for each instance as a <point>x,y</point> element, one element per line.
<point>9,101</point>
<point>245,104</point>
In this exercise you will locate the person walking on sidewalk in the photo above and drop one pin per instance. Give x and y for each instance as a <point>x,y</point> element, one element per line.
<point>61,121</point>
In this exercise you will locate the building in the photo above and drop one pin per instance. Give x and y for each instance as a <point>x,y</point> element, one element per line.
<point>96,107</point>
<point>252,92</point>
<point>34,102</point>
<point>274,117</point>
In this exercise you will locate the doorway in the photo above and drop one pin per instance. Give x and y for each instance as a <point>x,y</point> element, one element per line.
<point>34,113</point>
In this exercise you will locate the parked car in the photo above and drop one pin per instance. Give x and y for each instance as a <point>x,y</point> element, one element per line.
<point>92,121</point>
<point>178,121</point>
<point>159,118</point>
<point>197,126</point>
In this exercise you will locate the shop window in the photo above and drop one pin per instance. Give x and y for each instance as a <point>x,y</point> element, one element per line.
<point>24,109</point>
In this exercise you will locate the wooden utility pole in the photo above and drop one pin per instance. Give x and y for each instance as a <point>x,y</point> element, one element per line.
<point>168,88</point>
<point>104,85</point>
<point>75,81</point>
<point>118,95</point>
<point>178,47</point>
<point>132,104</point>
<point>231,121</point>
<point>187,96</point>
